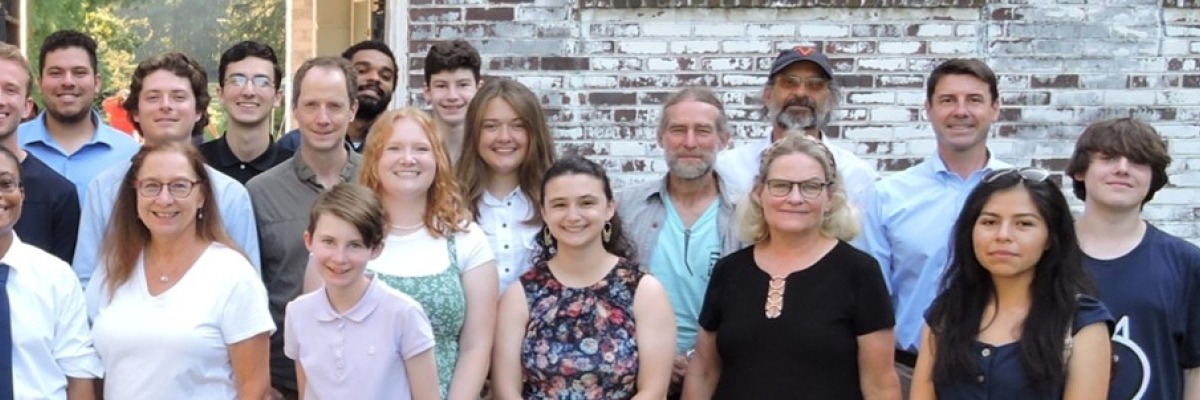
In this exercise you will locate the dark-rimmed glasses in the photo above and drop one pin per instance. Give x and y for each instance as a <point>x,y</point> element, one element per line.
<point>783,187</point>
<point>1032,174</point>
<point>179,188</point>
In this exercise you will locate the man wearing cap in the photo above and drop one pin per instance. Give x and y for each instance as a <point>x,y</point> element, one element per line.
<point>800,96</point>
<point>909,214</point>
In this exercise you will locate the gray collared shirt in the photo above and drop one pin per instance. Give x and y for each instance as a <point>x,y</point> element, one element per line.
<point>282,197</point>
<point>643,211</point>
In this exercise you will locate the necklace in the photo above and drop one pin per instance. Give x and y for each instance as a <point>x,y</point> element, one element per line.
<point>163,278</point>
<point>409,227</point>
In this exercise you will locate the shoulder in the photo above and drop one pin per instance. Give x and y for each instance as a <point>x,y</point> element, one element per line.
<point>33,169</point>
<point>1163,241</point>
<point>46,268</point>
<point>847,254</point>
<point>395,299</point>
<point>107,134</point>
<point>1089,310</point>
<point>304,304</point>
<point>222,183</point>
<point>232,264</point>
<point>264,183</point>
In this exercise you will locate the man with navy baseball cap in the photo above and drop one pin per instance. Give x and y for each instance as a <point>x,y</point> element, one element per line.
<point>800,96</point>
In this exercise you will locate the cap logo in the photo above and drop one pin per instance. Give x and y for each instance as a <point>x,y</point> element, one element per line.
<point>804,50</point>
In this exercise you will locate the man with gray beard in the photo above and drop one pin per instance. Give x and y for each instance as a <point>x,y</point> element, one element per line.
<point>683,222</point>
<point>800,97</point>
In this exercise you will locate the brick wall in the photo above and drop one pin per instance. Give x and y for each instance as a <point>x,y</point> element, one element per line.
<point>603,71</point>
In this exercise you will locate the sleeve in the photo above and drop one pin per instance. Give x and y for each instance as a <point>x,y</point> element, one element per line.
<point>73,348</point>
<point>92,221</point>
<point>416,333</point>
<point>874,240</point>
<point>1088,311</point>
<point>66,225</point>
<point>245,313</point>
<point>1191,341</point>
<point>710,310</point>
<point>291,348</point>
<point>873,310</point>
<point>93,294</point>
<point>238,216</point>
<point>473,249</point>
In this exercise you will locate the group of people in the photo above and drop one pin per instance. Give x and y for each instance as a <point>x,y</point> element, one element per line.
<point>376,253</point>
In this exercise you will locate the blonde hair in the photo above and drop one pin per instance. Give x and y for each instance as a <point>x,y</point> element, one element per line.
<point>444,210</point>
<point>839,223</point>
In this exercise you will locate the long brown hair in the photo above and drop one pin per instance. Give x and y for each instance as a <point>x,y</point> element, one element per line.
<point>127,236</point>
<point>444,212</point>
<point>539,155</point>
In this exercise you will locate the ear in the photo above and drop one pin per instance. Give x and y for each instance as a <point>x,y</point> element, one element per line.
<point>353,108</point>
<point>220,91</point>
<point>479,84</point>
<point>308,241</point>
<point>427,92</point>
<point>611,210</point>
<point>766,95</point>
<point>28,113</point>
<point>277,99</point>
<point>377,250</point>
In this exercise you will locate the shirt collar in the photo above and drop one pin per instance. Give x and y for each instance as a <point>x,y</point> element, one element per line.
<point>726,195</point>
<point>369,302</point>
<point>306,174</point>
<point>516,194</point>
<point>42,133</point>
<point>16,257</point>
<point>938,166</point>
<point>264,161</point>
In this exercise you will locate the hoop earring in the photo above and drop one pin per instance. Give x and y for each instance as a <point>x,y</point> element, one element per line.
<point>606,234</point>
<point>547,238</point>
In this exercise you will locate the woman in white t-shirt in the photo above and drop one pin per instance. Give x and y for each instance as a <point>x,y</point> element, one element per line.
<point>178,311</point>
<point>432,251</point>
<point>506,150</point>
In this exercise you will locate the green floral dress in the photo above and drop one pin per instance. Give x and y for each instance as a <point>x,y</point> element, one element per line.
<point>445,302</point>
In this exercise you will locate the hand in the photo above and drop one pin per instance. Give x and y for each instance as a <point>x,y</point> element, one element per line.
<point>680,368</point>
<point>273,394</point>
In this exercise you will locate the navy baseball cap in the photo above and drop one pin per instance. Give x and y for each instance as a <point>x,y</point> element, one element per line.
<point>801,53</point>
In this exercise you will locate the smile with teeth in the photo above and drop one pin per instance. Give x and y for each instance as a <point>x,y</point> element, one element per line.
<point>162,214</point>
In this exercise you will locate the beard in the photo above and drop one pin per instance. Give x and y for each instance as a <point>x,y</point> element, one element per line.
<point>69,118</point>
<point>799,114</point>
<point>689,171</point>
<point>369,108</point>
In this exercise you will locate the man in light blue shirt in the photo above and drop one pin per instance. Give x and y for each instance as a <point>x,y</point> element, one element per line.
<point>683,222</point>
<point>909,214</point>
<point>168,101</point>
<point>69,136</point>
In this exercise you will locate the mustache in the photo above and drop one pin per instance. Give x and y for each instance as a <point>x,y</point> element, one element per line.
<point>372,86</point>
<point>804,101</point>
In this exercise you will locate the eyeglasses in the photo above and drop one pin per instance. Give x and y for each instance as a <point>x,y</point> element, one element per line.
<point>239,80</point>
<point>1032,174</point>
<point>808,189</point>
<point>9,185</point>
<point>179,188</point>
<point>812,83</point>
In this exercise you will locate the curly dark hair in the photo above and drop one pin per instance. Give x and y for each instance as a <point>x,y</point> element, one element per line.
<point>182,66</point>
<point>618,244</point>
<point>450,56</point>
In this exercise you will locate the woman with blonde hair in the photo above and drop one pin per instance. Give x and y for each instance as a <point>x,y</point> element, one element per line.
<point>506,151</point>
<point>800,311</point>
<point>177,309</point>
<point>433,252</point>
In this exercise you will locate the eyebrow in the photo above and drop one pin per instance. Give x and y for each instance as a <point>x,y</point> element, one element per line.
<point>1021,215</point>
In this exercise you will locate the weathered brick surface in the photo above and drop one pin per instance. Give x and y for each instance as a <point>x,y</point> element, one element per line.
<point>603,68</point>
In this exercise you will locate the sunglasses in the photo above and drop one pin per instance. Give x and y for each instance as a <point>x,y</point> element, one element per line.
<point>1032,174</point>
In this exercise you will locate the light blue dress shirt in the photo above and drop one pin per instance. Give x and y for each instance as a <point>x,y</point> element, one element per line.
<point>107,148</point>
<point>909,218</point>
<point>232,200</point>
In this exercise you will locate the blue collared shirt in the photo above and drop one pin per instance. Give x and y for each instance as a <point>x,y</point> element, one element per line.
<point>909,218</point>
<point>107,148</point>
<point>232,200</point>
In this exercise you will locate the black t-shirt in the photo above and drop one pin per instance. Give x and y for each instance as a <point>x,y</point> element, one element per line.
<point>811,350</point>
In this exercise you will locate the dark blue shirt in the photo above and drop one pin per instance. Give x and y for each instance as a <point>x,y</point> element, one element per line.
<point>217,154</point>
<point>1001,375</point>
<point>50,215</point>
<point>1154,294</point>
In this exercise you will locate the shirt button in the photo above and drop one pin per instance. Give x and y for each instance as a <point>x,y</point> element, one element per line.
<point>509,204</point>
<point>503,225</point>
<point>981,379</point>
<point>242,166</point>
<point>506,247</point>
<point>986,352</point>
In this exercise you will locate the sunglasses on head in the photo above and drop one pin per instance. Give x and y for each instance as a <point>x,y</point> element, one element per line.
<point>1032,174</point>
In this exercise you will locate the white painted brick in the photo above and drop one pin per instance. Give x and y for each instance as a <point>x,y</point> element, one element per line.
<point>745,46</point>
<point>1195,47</point>
<point>910,97</point>
<point>1181,31</point>
<point>666,29</point>
<point>867,133</point>
<point>1129,97</point>
<point>1178,97</point>
<point>931,30</point>
<point>662,64</point>
<point>904,47</point>
<point>764,30</point>
<point>695,46</point>
<point>871,98</point>
<point>822,30</point>
<point>541,82</point>
<point>887,114</point>
<point>970,30</point>
<point>743,80</point>
<point>1059,115</point>
<point>642,47</point>
<point>722,30</point>
<point>1189,131</point>
<point>883,64</point>
<point>910,132</point>
<point>922,147</point>
<point>960,47</point>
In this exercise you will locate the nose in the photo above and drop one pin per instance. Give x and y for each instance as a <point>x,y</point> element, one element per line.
<point>1122,164</point>
<point>1004,232</point>
<point>794,195</point>
<point>340,256</point>
<point>690,140</point>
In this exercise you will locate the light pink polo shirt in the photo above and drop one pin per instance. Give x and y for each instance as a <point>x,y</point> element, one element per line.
<point>359,354</point>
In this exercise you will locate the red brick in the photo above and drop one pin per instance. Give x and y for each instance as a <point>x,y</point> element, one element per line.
<point>1191,81</point>
<point>1064,81</point>
<point>565,64</point>
<point>612,99</point>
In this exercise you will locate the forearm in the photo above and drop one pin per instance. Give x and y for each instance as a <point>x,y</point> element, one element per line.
<point>81,389</point>
<point>882,388</point>
<point>1191,384</point>
<point>469,373</point>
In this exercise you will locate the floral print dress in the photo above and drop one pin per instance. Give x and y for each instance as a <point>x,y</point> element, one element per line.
<point>580,343</point>
<point>445,302</point>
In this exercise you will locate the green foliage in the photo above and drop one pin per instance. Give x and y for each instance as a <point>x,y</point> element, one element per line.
<point>261,20</point>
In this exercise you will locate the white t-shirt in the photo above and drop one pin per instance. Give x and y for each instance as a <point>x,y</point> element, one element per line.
<point>421,254</point>
<point>174,345</point>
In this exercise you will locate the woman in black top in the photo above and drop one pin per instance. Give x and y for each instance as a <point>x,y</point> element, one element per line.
<point>801,313</point>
